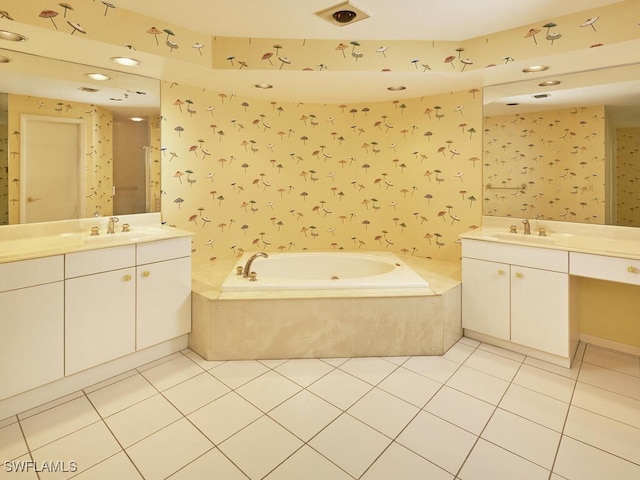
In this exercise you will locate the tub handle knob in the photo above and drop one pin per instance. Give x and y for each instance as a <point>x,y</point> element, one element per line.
<point>253,276</point>
<point>238,270</point>
<point>632,269</point>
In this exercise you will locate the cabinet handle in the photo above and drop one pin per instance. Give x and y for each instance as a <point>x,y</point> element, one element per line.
<point>519,275</point>
<point>501,272</point>
<point>632,269</point>
<point>146,273</point>
<point>126,278</point>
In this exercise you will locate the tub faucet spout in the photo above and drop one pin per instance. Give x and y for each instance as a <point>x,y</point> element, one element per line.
<point>247,267</point>
<point>527,227</point>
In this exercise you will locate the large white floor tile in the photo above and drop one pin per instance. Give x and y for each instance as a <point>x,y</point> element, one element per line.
<point>538,408</point>
<point>308,464</point>
<point>305,414</point>
<point>579,461</point>
<point>122,394</point>
<point>12,444</point>
<point>171,373</point>
<point>235,374</point>
<point>350,444</point>
<point>260,447</point>
<point>518,435</point>
<point>459,352</point>
<point>195,392</point>
<point>370,369</point>
<point>142,419</point>
<point>488,461</point>
<point>223,417</point>
<point>607,403</point>
<point>543,381</point>
<point>557,369</point>
<point>340,388</point>
<point>206,364</point>
<point>460,409</point>
<point>398,462</point>
<point>304,371</point>
<point>410,386</point>
<point>478,384</point>
<point>438,441</point>
<point>168,450</point>
<point>493,364</point>
<point>59,421</point>
<point>503,352</point>
<point>618,382</point>
<point>601,432</point>
<point>213,464</point>
<point>118,466</point>
<point>268,391</point>
<point>621,362</point>
<point>434,367</point>
<point>15,469</point>
<point>86,447</point>
<point>398,413</point>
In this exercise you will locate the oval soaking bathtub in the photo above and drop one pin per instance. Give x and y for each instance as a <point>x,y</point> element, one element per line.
<point>324,271</point>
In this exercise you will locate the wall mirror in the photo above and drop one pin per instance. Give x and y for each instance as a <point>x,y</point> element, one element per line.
<point>120,113</point>
<point>564,148</point>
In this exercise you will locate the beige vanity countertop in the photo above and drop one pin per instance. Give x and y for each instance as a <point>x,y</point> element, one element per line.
<point>30,241</point>
<point>612,241</point>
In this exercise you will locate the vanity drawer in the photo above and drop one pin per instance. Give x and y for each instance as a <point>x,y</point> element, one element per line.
<point>614,269</point>
<point>27,273</point>
<point>101,260</point>
<point>532,257</point>
<point>158,251</point>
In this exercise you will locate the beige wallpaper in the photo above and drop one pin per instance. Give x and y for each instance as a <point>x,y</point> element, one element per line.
<point>628,176</point>
<point>246,174</point>
<point>548,165</point>
<point>98,145</point>
<point>4,174</point>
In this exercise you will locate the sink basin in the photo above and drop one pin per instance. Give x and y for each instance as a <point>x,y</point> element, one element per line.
<point>119,237</point>
<point>521,238</point>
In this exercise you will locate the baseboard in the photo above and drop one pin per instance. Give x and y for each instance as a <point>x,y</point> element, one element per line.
<point>610,344</point>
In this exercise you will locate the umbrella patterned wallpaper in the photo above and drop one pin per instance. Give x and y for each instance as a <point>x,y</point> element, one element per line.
<point>4,174</point>
<point>548,164</point>
<point>246,174</point>
<point>628,176</point>
<point>98,135</point>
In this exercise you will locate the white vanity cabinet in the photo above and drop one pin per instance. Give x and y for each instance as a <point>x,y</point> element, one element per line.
<point>31,324</point>
<point>163,278</point>
<point>518,294</point>
<point>100,304</point>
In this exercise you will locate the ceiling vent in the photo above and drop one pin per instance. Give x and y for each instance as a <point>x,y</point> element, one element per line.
<point>345,13</point>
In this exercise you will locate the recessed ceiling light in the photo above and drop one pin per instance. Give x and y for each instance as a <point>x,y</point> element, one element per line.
<point>549,83</point>
<point>264,86</point>
<point>397,88</point>
<point>137,119</point>
<point>98,76</point>
<point>343,14</point>
<point>126,61</point>
<point>535,68</point>
<point>4,59</point>
<point>12,37</point>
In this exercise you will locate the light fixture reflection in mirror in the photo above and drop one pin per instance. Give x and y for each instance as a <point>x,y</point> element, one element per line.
<point>564,148</point>
<point>49,87</point>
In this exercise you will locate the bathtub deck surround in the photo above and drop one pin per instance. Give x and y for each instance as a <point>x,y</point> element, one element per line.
<point>275,324</point>
<point>548,290</point>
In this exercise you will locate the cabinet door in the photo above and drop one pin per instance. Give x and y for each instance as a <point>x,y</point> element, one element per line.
<point>540,309</point>
<point>99,318</point>
<point>31,337</point>
<point>485,297</point>
<point>164,301</point>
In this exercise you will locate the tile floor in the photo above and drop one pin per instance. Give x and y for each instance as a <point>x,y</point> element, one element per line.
<point>478,412</point>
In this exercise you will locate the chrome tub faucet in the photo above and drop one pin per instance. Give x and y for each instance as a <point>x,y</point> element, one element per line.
<point>527,227</point>
<point>247,266</point>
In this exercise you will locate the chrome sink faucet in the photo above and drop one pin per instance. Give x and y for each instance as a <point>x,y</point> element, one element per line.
<point>527,227</point>
<point>112,224</point>
<point>247,266</point>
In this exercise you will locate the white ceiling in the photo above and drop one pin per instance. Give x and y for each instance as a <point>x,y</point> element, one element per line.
<point>390,20</point>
